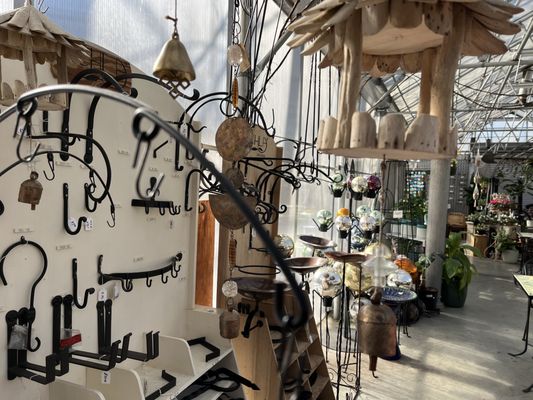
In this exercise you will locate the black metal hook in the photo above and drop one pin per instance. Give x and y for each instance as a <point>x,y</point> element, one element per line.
<point>113,216</point>
<point>89,188</point>
<point>174,271</point>
<point>127,285</point>
<point>50,159</point>
<point>26,132</point>
<point>162,210</point>
<point>75,287</point>
<point>148,281</point>
<point>31,310</point>
<point>173,210</point>
<point>164,278</point>
<point>154,153</point>
<point>81,220</point>
<point>144,136</point>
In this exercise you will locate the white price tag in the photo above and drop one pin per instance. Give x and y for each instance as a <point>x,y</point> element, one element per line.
<point>397,214</point>
<point>106,377</point>
<point>102,294</point>
<point>116,291</point>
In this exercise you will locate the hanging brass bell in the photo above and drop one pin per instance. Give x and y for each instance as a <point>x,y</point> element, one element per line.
<point>173,63</point>
<point>229,323</point>
<point>376,325</point>
<point>31,190</point>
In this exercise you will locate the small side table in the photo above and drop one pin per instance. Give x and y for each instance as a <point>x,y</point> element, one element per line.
<point>526,284</point>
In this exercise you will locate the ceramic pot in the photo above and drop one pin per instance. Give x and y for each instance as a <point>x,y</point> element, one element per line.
<point>451,295</point>
<point>510,256</point>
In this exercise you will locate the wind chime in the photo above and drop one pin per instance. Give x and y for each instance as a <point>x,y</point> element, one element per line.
<point>173,67</point>
<point>234,139</point>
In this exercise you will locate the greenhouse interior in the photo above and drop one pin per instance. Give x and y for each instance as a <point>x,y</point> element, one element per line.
<point>282,199</point>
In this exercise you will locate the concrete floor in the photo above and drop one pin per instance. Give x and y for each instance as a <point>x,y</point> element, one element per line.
<point>462,353</point>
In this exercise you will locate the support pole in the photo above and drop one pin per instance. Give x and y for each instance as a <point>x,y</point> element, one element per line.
<point>446,61</point>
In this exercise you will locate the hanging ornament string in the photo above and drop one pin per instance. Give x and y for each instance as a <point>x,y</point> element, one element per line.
<point>174,19</point>
<point>235,54</point>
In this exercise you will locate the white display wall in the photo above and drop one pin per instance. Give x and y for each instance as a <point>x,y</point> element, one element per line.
<point>138,242</point>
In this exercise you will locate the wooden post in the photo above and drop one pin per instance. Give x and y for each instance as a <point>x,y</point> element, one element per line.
<point>444,76</point>
<point>426,73</point>
<point>29,63</point>
<point>351,76</point>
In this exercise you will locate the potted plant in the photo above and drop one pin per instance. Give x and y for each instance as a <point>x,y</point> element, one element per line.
<point>457,271</point>
<point>506,246</point>
<point>428,295</point>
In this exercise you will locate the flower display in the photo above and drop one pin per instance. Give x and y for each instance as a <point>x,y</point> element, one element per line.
<point>500,201</point>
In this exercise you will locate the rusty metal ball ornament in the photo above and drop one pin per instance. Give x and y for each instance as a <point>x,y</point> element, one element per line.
<point>285,244</point>
<point>31,190</point>
<point>234,139</point>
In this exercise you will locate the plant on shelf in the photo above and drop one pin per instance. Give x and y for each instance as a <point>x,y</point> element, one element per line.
<point>523,185</point>
<point>481,221</point>
<point>506,246</point>
<point>457,270</point>
<point>505,219</point>
<point>414,207</point>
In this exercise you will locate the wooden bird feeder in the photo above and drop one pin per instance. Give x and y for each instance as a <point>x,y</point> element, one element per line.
<point>27,35</point>
<point>380,36</point>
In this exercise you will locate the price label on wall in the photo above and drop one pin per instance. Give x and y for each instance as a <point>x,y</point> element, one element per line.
<point>106,377</point>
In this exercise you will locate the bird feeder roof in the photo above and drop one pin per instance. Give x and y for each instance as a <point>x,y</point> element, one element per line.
<point>395,32</point>
<point>47,38</point>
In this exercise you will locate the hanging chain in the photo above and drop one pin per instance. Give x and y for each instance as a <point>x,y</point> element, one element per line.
<point>236,32</point>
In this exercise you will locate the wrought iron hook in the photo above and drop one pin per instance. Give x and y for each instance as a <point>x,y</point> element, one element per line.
<point>75,287</point>
<point>31,309</point>
<point>26,132</point>
<point>50,159</point>
<point>173,210</point>
<point>144,136</point>
<point>113,216</point>
<point>164,278</point>
<point>89,189</point>
<point>81,220</point>
<point>148,281</point>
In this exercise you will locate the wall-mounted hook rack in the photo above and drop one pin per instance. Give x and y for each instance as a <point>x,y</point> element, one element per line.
<point>105,349</point>
<point>87,293</point>
<point>72,356</point>
<point>17,361</point>
<point>162,206</point>
<point>126,278</point>
<point>81,220</point>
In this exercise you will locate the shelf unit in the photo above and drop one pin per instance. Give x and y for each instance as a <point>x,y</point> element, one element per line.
<point>259,356</point>
<point>134,380</point>
<point>389,154</point>
<point>62,390</point>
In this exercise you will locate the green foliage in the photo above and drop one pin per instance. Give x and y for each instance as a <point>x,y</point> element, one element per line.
<point>457,265</point>
<point>503,241</point>
<point>414,207</point>
<point>524,183</point>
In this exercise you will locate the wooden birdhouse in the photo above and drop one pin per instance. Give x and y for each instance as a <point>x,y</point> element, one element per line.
<point>380,36</point>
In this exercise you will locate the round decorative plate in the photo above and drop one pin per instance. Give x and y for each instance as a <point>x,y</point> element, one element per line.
<point>234,139</point>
